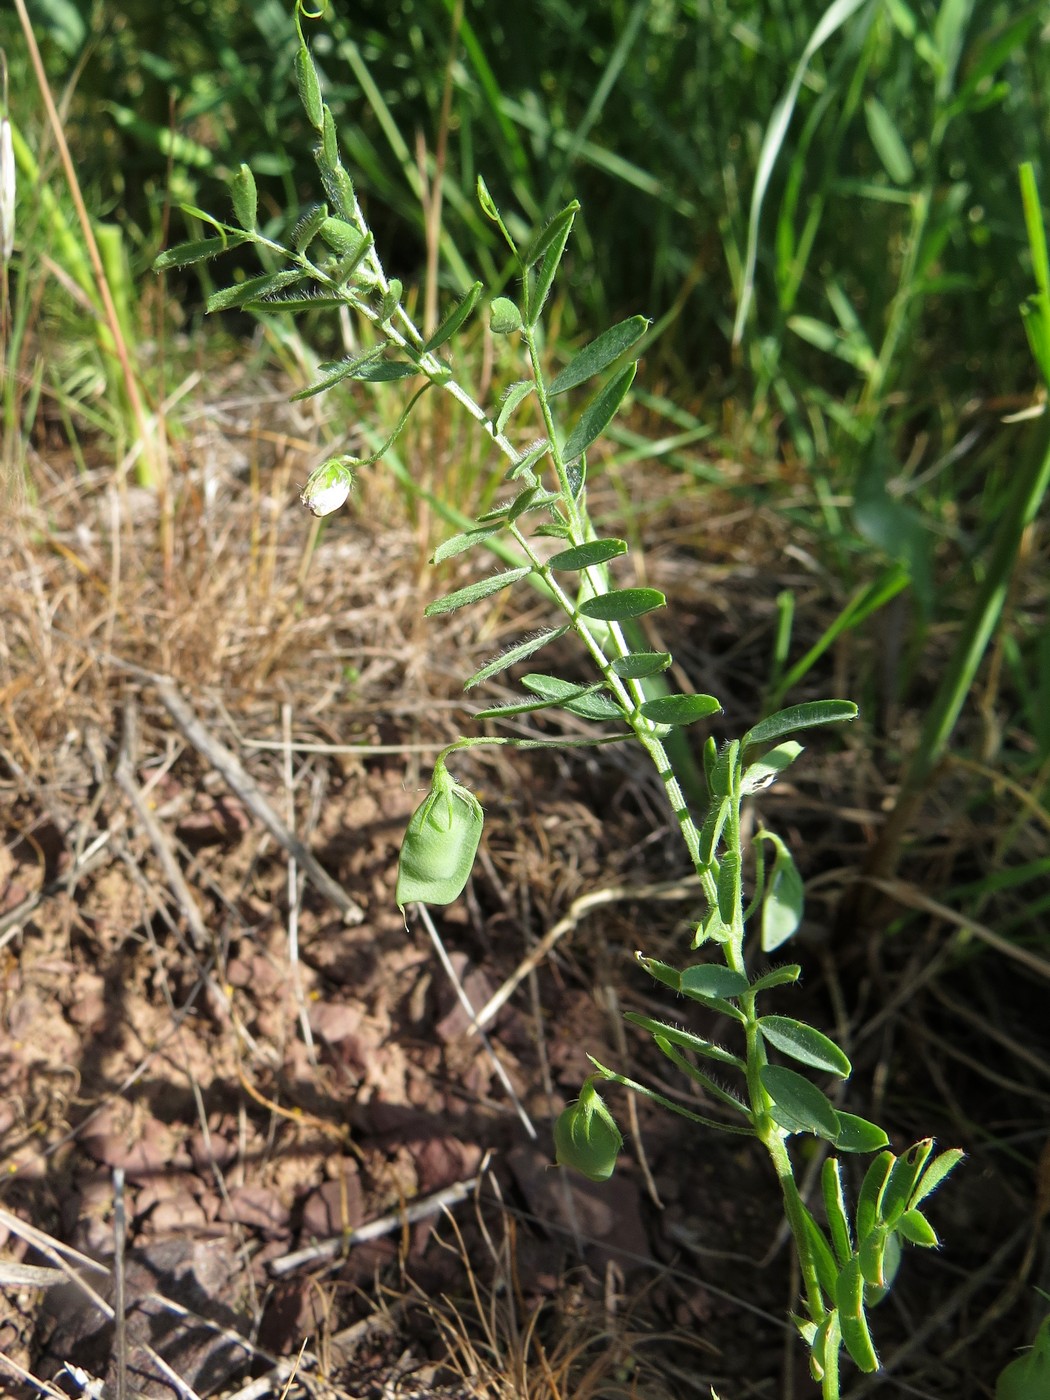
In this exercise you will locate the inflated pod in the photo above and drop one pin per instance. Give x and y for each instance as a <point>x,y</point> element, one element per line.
<point>439,847</point>
<point>586,1137</point>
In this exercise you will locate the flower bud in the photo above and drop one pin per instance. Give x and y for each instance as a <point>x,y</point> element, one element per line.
<point>7,192</point>
<point>329,486</point>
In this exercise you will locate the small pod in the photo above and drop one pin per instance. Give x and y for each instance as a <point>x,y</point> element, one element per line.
<point>309,87</point>
<point>439,847</point>
<point>586,1137</point>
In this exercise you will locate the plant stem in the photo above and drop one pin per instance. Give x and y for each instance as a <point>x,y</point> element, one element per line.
<point>794,1209</point>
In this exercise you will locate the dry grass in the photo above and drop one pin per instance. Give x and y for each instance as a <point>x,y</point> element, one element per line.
<point>151,1003</point>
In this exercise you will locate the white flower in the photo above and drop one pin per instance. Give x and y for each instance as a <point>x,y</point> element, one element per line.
<point>7,192</point>
<point>328,486</point>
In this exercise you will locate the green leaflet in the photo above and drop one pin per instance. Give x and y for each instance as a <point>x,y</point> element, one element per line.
<point>504,316</point>
<point>935,1173</point>
<point>307,227</point>
<point>391,299</point>
<point>779,977</point>
<point>916,1229</point>
<point>1028,1376</point>
<point>554,232</point>
<point>711,831</point>
<point>251,289</point>
<point>599,354</point>
<point>800,1106</point>
<point>619,604</point>
<point>198,250</point>
<point>332,374</point>
<point>870,1195</point>
<point>804,716</point>
<point>455,318</point>
<point>728,887</point>
<point>685,1039</point>
<point>525,463</point>
<point>309,87</point>
<point>639,665</point>
<point>784,899</point>
<point>342,237</point>
<point>575,695</point>
<point>680,709</point>
<point>598,414</point>
<point>585,556</point>
<point>385,371</point>
<point>764,771</point>
<point>593,705</point>
<point>708,983</point>
<point>858,1135</point>
<point>835,1209</point>
<point>474,592</point>
<point>318,300</point>
<point>805,1044</point>
<point>849,1298</point>
<point>549,245</point>
<point>902,1180</point>
<point>712,980</point>
<point>515,395</point>
<point>515,654</point>
<point>458,544</point>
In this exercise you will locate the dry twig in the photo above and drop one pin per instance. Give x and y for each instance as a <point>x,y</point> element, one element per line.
<point>246,788</point>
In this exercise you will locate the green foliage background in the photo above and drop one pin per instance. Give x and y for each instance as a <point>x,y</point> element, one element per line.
<point>883,343</point>
<point>651,112</point>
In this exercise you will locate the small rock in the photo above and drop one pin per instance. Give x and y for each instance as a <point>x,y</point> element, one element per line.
<point>179,1215</point>
<point>257,1207</point>
<point>335,1207</point>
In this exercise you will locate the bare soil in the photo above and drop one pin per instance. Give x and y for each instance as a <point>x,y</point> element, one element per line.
<point>264,1107</point>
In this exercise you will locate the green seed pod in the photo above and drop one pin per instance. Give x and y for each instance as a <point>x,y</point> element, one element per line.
<point>340,236</point>
<point>245,198</point>
<point>728,887</point>
<point>849,1299</point>
<point>309,87</point>
<point>439,847</point>
<point>586,1137</point>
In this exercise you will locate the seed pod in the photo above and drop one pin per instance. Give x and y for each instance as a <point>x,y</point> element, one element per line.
<point>586,1137</point>
<point>849,1298</point>
<point>340,236</point>
<point>439,847</point>
<point>309,87</point>
<point>245,198</point>
<point>729,887</point>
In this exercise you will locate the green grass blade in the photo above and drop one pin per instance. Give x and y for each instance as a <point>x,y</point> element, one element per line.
<point>834,17</point>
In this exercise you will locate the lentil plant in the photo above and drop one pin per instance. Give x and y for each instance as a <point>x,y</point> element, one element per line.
<point>328,260</point>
